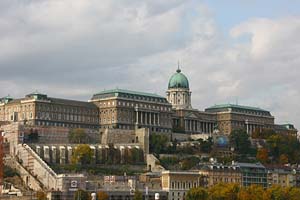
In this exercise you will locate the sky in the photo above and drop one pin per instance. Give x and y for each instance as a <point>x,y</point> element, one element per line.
<point>232,51</point>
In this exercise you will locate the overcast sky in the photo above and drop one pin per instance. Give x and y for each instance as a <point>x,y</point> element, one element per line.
<point>232,51</point>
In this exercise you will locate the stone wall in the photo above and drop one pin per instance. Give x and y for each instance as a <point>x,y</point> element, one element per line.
<point>120,137</point>
<point>117,136</point>
<point>15,133</point>
<point>142,137</point>
<point>37,168</point>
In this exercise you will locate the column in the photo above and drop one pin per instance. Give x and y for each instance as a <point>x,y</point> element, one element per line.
<point>146,118</point>
<point>137,117</point>
<point>154,118</point>
<point>142,117</point>
<point>201,129</point>
<point>47,154</point>
<point>62,155</point>
<point>53,148</point>
<point>208,127</point>
<point>69,153</point>
<point>158,121</point>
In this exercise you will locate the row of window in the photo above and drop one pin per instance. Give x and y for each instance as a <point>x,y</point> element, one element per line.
<point>183,185</point>
<point>67,117</point>
<point>67,125</point>
<point>130,104</point>
<point>153,99</point>
<point>66,109</point>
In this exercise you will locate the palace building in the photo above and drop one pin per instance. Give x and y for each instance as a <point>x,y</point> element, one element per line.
<point>126,109</point>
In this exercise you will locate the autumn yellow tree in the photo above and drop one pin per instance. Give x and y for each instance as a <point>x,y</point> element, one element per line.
<point>224,191</point>
<point>102,196</point>
<point>198,193</point>
<point>283,159</point>
<point>252,192</point>
<point>262,155</point>
<point>40,195</point>
<point>275,193</point>
<point>293,193</point>
<point>82,154</point>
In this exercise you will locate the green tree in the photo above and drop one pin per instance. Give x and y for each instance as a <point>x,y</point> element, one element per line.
<point>102,196</point>
<point>158,143</point>
<point>82,195</point>
<point>33,136</point>
<point>198,193</point>
<point>78,136</point>
<point>138,195</point>
<point>82,154</point>
<point>240,140</point>
<point>206,145</point>
<point>188,163</point>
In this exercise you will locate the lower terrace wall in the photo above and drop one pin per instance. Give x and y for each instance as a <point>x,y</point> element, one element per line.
<point>102,154</point>
<point>48,179</point>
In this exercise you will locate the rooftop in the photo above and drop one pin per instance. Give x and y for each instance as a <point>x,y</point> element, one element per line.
<point>249,165</point>
<point>129,92</point>
<point>219,106</point>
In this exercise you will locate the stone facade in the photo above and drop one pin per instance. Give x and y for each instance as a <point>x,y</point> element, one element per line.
<point>178,183</point>
<point>218,173</point>
<point>126,109</point>
<point>129,110</point>
<point>281,175</point>
<point>231,117</point>
<point>39,109</point>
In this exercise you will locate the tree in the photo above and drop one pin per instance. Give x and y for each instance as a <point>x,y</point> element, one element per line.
<point>293,193</point>
<point>78,136</point>
<point>82,154</point>
<point>283,159</point>
<point>33,136</point>
<point>206,145</point>
<point>82,195</point>
<point>198,193</point>
<point>138,195</point>
<point>102,196</point>
<point>240,140</point>
<point>262,134</point>
<point>158,143</point>
<point>40,195</point>
<point>223,191</point>
<point>252,192</point>
<point>262,155</point>
<point>275,193</point>
<point>188,163</point>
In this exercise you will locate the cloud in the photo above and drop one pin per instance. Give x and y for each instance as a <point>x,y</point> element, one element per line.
<point>72,49</point>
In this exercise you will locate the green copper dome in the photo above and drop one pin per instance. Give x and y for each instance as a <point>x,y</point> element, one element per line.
<point>178,80</point>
